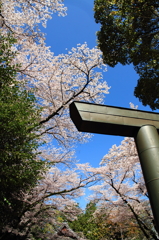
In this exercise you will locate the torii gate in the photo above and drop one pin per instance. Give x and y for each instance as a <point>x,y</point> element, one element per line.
<point>142,125</point>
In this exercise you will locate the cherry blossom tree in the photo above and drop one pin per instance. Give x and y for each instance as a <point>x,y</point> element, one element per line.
<point>122,192</point>
<point>55,81</point>
<point>53,197</point>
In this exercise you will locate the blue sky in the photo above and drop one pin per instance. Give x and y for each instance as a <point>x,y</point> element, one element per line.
<point>78,27</point>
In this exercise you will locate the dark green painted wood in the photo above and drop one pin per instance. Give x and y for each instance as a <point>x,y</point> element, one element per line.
<point>147,142</point>
<point>110,120</point>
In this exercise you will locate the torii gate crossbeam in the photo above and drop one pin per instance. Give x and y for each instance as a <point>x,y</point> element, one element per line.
<point>142,125</point>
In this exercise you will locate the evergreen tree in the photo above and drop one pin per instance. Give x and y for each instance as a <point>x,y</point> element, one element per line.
<point>96,224</point>
<point>19,166</point>
<point>86,224</point>
<point>130,34</point>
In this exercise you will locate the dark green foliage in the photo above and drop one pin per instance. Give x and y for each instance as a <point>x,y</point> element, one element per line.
<point>19,169</point>
<point>130,34</point>
<point>147,89</point>
<point>100,226</point>
<point>86,223</point>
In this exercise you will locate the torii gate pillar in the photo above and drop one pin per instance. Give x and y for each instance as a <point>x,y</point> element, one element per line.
<point>147,142</point>
<point>143,126</point>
